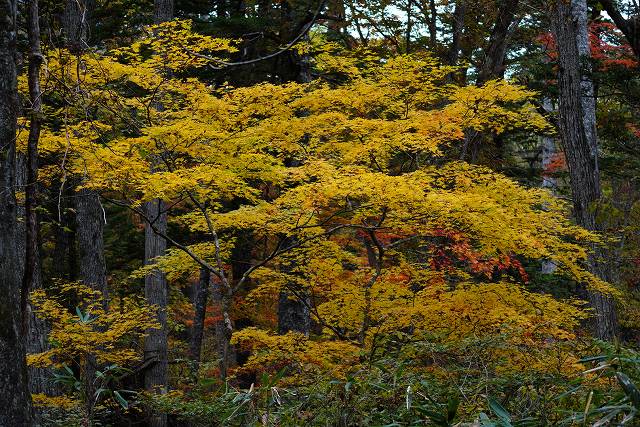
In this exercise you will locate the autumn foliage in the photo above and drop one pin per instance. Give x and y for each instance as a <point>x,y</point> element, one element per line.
<point>349,190</point>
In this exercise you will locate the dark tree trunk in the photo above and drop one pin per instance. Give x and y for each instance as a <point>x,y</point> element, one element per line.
<point>89,214</point>
<point>293,310</point>
<point>201,294</point>
<point>156,377</point>
<point>457,28</point>
<point>291,66</point>
<point>493,65</point>
<point>162,11</point>
<point>21,182</point>
<point>433,23</point>
<point>409,28</point>
<point>155,291</point>
<point>577,122</point>
<point>31,248</point>
<point>237,9</point>
<point>90,228</point>
<point>629,27</point>
<point>221,8</point>
<point>15,402</point>
<point>93,270</point>
<point>40,380</point>
<point>293,313</point>
<point>223,329</point>
<point>64,263</point>
<point>294,304</point>
<point>304,66</point>
<point>76,18</point>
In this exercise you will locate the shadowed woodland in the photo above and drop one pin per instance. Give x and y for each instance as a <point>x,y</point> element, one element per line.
<point>319,212</point>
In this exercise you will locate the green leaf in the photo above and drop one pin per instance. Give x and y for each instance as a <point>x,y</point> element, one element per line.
<point>99,392</point>
<point>485,421</point>
<point>629,388</point>
<point>80,315</point>
<point>500,412</point>
<point>452,408</point>
<point>435,417</point>
<point>277,377</point>
<point>121,400</point>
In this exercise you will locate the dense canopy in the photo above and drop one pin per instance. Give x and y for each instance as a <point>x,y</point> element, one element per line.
<point>381,213</point>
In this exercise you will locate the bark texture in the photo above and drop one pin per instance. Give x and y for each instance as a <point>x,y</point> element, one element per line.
<point>630,27</point>
<point>223,329</point>
<point>336,13</point>
<point>75,21</point>
<point>493,64</point>
<point>40,380</point>
<point>293,313</point>
<point>89,214</point>
<point>492,67</point>
<point>90,229</point>
<point>155,292</point>
<point>549,182</point>
<point>433,23</point>
<point>577,122</point>
<point>32,263</point>
<point>155,283</point>
<point>64,265</point>
<point>93,270</point>
<point>457,28</point>
<point>200,297</point>
<point>162,11</point>
<point>294,304</point>
<point>15,406</point>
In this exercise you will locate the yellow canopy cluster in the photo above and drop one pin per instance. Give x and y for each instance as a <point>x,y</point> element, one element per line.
<point>357,179</point>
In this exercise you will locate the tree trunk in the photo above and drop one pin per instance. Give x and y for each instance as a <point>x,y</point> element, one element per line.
<point>89,214</point>
<point>549,182</point>
<point>221,8</point>
<point>433,24</point>
<point>90,228</point>
<point>493,64</point>
<point>293,313</point>
<point>155,292</point>
<point>21,182</point>
<point>162,11</point>
<point>629,27</point>
<point>201,294</point>
<point>93,271</point>
<point>409,28</point>
<point>76,24</point>
<point>457,28</point>
<point>336,12</point>
<point>156,377</point>
<point>40,380</point>
<point>237,9</point>
<point>294,304</point>
<point>224,329</point>
<point>15,402</point>
<point>577,122</point>
<point>64,263</point>
<point>35,95</point>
